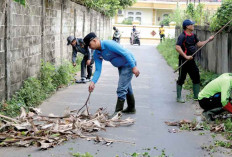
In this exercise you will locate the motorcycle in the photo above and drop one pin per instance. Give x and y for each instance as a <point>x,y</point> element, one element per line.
<point>116,36</point>
<point>136,38</point>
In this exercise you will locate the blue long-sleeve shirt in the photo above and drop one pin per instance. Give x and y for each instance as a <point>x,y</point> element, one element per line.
<point>113,52</point>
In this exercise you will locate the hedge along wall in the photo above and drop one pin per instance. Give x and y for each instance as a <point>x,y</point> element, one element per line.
<point>216,56</point>
<point>39,31</point>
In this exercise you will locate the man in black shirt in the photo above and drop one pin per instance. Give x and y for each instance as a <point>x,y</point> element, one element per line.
<point>78,46</point>
<point>186,45</point>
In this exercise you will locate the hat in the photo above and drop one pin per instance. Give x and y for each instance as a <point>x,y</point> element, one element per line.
<point>187,23</point>
<point>88,38</point>
<point>70,39</point>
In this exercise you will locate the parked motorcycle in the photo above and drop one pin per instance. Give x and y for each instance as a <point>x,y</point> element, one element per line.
<point>135,39</point>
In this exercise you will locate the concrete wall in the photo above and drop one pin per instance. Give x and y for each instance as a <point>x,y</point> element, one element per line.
<point>216,56</point>
<point>2,49</point>
<point>39,31</point>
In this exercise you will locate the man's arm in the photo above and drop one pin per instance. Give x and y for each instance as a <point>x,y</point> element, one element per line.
<point>180,51</point>
<point>98,67</point>
<point>201,43</point>
<point>74,56</point>
<point>180,41</point>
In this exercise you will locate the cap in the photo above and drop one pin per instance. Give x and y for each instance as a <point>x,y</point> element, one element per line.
<point>70,39</point>
<point>187,23</point>
<point>88,38</point>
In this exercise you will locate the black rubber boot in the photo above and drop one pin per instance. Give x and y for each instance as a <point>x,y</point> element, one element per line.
<point>119,105</point>
<point>131,104</point>
<point>209,115</point>
<point>118,108</point>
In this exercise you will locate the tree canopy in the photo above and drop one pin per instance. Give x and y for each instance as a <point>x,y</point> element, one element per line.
<point>107,7</point>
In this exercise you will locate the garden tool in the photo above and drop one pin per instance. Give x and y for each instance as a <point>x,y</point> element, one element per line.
<point>204,45</point>
<point>85,105</point>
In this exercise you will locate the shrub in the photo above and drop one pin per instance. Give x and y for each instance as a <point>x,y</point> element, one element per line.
<point>35,90</point>
<point>165,21</point>
<point>222,16</point>
<point>127,21</point>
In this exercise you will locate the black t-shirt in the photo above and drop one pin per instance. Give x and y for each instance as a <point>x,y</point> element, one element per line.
<point>187,43</point>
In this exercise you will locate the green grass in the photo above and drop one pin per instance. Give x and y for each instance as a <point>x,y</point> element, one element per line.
<point>167,50</point>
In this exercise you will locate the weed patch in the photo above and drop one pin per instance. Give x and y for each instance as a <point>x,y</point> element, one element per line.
<point>35,90</point>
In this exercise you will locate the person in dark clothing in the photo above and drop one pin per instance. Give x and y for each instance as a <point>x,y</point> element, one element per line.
<point>186,45</point>
<point>78,46</point>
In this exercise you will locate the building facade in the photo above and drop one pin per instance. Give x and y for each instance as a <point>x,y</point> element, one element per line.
<point>152,12</point>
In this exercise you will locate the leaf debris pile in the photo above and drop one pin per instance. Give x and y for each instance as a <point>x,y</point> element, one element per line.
<point>33,128</point>
<point>195,126</point>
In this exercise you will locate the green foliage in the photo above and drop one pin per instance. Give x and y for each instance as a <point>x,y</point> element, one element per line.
<point>178,16</point>
<point>127,21</point>
<point>167,50</point>
<point>228,125</point>
<point>190,11</point>
<point>47,73</point>
<point>23,2</point>
<point>35,90</point>
<point>82,155</point>
<point>223,144</point>
<point>165,21</point>
<point>107,7</point>
<point>222,16</point>
<point>63,74</point>
<point>197,14</point>
<point>200,13</point>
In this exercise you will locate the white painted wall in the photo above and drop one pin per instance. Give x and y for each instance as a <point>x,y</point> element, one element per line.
<point>146,16</point>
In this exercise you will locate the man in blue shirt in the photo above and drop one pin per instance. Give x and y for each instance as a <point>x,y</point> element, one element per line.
<point>78,46</point>
<point>119,57</point>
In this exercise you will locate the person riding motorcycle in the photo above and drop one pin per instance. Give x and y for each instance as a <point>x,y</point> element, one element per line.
<point>134,39</point>
<point>117,35</point>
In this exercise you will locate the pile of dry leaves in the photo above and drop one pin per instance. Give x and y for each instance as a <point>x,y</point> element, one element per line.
<point>194,126</point>
<point>33,128</point>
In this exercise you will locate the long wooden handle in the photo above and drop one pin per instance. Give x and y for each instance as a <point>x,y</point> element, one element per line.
<point>204,45</point>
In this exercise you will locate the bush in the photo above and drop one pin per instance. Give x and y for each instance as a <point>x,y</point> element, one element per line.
<point>197,14</point>
<point>63,75</point>
<point>127,21</point>
<point>165,21</point>
<point>35,90</point>
<point>222,16</point>
<point>47,73</point>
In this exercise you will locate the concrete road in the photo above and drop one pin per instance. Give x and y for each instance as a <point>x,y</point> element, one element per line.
<point>155,102</point>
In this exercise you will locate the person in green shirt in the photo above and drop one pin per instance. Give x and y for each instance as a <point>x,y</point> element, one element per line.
<point>215,97</point>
